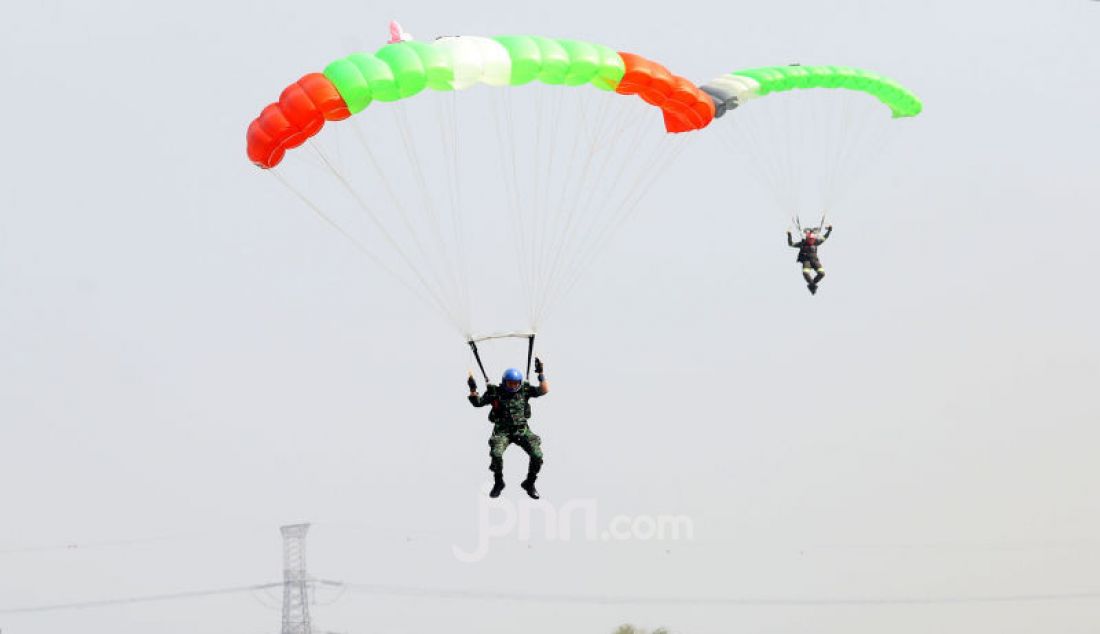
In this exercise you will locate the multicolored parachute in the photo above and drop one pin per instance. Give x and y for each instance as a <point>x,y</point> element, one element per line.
<point>412,177</point>
<point>818,128</point>
<point>405,68</point>
<point>738,87</point>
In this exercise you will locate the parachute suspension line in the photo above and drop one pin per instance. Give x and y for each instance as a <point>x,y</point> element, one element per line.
<point>530,204</point>
<point>781,180</point>
<point>826,127</point>
<point>554,202</point>
<point>435,301</point>
<point>403,212</point>
<point>751,126</point>
<point>626,209</point>
<point>853,128</point>
<point>575,214</point>
<point>809,146</point>
<point>549,211</point>
<point>510,171</point>
<point>646,168</point>
<point>822,124</point>
<point>866,143</point>
<point>827,132</point>
<point>562,212</point>
<point>837,127</point>
<point>605,137</point>
<point>527,204</point>
<point>312,158</point>
<point>538,206</point>
<point>601,220</point>
<point>855,137</point>
<point>451,123</point>
<point>333,152</point>
<point>820,154</point>
<point>436,293</point>
<point>843,142</point>
<point>430,211</point>
<point>503,125</point>
<point>544,147</point>
<point>430,300</point>
<point>788,175</point>
<point>562,209</point>
<point>547,218</point>
<point>595,242</point>
<point>793,145</point>
<point>549,112</point>
<point>430,266</point>
<point>535,208</point>
<point>771,140</point>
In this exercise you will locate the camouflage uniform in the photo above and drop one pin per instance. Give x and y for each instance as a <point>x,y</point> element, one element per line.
<point>509,414</point>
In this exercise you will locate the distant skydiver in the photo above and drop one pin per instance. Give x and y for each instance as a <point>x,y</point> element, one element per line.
<point>509,414</point>
<point>807,255</point>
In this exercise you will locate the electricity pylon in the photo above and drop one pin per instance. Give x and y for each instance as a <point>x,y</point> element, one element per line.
<point>296,583</point>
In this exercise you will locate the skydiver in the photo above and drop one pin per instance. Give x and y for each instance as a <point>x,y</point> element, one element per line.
<point>807,255</point>
<point>509,414</point>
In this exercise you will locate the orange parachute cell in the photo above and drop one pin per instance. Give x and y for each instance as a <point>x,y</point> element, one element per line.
<point>685,107</point>
<point>300,113</point>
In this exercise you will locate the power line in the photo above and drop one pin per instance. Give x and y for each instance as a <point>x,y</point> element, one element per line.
<point>123,542</point>
<point>149,598</point>
<point>576,599</point>
<point>596,599</point>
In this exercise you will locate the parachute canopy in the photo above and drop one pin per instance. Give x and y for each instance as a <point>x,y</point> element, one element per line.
<point>735,88</point>
<point>403,69</point>
<point>479,171</point>
<point>817,129</point>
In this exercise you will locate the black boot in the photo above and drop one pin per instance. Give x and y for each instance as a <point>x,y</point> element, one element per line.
<point>813,288</point>
<point>498,485</point>
<point>533,468</point>
<point>529,486</point>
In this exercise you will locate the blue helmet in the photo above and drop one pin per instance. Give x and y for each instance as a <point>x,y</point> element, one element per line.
<point>514,375</point>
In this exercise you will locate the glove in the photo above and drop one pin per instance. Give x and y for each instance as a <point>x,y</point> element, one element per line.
<point>538,365</point>
<point>472,383</point>
<point>829,227</point>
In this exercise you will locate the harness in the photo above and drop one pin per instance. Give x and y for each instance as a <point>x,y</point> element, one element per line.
<point>501,413</point>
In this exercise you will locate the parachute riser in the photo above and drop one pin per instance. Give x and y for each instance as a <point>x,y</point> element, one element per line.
<point>477,355</point>
<point>820,224</point>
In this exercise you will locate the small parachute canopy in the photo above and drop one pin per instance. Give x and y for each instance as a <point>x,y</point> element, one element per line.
<point>730,90</point>
<point>817,129</point>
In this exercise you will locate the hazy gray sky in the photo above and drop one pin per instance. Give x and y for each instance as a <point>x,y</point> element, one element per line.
<point>189,359</point>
